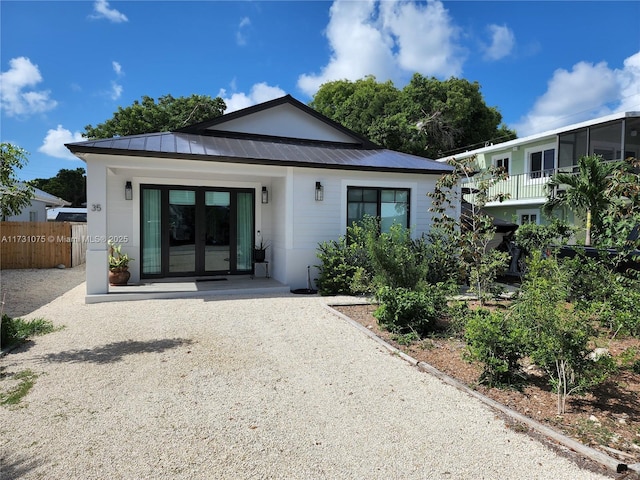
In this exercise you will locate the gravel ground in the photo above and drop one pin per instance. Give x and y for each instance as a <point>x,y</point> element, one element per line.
<point>238,388</point>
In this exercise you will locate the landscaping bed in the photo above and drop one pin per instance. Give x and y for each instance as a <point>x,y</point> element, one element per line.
<point>607,419</point>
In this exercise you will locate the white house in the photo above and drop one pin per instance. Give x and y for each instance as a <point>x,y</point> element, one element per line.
<point>195,202</point>
<point>36,211</point>
<point>530,161</point>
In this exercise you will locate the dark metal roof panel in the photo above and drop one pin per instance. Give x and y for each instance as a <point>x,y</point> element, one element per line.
<point>290,152</point>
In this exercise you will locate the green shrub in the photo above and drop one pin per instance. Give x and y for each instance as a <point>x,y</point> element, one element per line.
<point>442,258</point>
<point>556,337</point>
<point>398,260</point>
<point>532,237</point>
<point>497,342</point>
<point>345,264</point>
<point>404,311</point>
<point>15,330</point>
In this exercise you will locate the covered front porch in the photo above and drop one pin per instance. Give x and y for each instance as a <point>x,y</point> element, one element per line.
<point>190,287</point>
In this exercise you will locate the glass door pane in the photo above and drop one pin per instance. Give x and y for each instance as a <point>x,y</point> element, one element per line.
<point>217,225</point>
<point>244,229</point>
<point>182,231</point>
<point>151,231</point>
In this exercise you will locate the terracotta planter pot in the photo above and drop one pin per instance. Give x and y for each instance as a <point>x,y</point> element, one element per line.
<point>119,278</point>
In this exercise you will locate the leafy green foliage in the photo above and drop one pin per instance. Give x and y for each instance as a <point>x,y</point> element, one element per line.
<point>496,341</point>
<point>586,193</point>
<point>14,194</point>
<point>442,258</point>
<point>345,267</point>
<point>557,337</point>
<point>168,114</point>
<point>70,185</point>
<point>532,237</point>
<point>428,117</point>
<point>403,310</point>
<point>16,330</point>
<point>398,260</point>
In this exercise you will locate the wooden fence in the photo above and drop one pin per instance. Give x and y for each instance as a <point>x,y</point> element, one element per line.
<point>42,244</point>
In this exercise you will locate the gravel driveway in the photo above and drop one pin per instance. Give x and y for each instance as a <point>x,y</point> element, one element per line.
<point>243,388</point>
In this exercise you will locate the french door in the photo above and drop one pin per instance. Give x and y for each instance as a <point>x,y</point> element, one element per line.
<point>196,231</point>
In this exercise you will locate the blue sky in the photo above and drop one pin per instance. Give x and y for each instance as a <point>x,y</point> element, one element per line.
<point>543,64</point>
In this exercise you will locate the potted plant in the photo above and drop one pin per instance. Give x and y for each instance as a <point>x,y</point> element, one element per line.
<point>118,265</point>
<point>260,252</point>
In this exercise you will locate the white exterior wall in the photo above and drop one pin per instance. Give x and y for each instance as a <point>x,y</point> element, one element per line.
<point>310,222</point>
<point>37,206</point>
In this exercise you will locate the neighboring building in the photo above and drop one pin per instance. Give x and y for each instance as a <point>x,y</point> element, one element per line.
<point>67,214</point>
<point>196,201</point>
<point>530,161</point>
<point>36,211</point>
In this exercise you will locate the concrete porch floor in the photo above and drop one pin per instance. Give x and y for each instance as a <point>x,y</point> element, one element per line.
<point>190,287</point>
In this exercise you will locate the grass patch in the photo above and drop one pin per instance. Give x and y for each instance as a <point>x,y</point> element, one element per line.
<point>26,380</point>
<point>17,330</point>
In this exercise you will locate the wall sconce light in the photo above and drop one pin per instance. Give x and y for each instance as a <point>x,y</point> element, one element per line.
<point>128,191</point>
<point>319,192</point>
<point>634,133</point>
<point>265,195</point>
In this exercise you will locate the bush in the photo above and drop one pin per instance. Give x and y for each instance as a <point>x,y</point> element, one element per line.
<point>442,258</point>
<point>557,337</point>
<point>398,260</point>
<point>493,339</point>
<point>16,330</point>
<point>346,268</point>
<point>404,311</point>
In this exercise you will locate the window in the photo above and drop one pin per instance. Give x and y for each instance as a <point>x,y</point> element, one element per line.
<point>528,216</point>
<point>502,162</point>
<point>541,162</point>
<point>33,216</point>
<point>388,204</point>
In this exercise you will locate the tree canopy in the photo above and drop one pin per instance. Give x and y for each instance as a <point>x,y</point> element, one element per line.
<point>428,117</point>
<point>149,116</point>
<point>70,185</point>
<point>14,194</point>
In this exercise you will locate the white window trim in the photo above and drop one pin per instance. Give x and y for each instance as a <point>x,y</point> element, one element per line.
<point>527,161</point>
<point>528,211</point>
<point>502,156</point>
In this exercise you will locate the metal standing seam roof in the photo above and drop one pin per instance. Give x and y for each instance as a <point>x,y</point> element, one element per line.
<point>262,151</point>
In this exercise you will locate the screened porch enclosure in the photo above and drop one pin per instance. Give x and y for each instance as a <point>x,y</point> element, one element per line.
<point>196,231</point>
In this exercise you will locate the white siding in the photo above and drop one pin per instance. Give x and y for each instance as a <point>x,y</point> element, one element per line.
<point>285,121</point>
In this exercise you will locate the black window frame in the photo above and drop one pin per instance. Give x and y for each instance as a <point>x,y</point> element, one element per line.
<point>378,191</point>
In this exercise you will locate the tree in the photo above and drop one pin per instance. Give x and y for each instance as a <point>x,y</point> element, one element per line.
<point>474,230</point>
<point>70,185</point>
<point>166,115</point>
<point>14,194</point>
<point>428,117</point>
<point>587,192</point>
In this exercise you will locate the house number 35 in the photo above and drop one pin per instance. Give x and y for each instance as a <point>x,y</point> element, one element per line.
<point>96,207</point>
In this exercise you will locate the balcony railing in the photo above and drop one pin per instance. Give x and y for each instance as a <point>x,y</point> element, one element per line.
<point>526,186</point>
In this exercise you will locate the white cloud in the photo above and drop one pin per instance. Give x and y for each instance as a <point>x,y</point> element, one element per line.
<point>53,144</point>
<point>117,68</point>
<point>102,10</point>
<point>260,92</point>
<point>388,39</point>
<point>587,91</point>
<point>502,42</point>
<point>15,97</point>
<point>116,90</point>
<point>241,38</point>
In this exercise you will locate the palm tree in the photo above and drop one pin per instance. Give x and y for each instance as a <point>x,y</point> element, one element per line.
<point>586,192</point>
